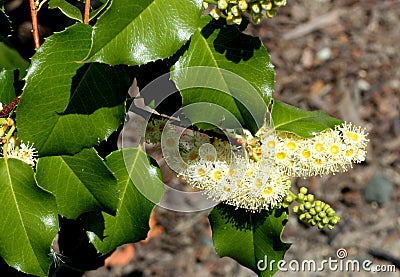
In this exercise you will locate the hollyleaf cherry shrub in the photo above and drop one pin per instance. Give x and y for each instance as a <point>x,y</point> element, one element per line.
<point>70,196</point>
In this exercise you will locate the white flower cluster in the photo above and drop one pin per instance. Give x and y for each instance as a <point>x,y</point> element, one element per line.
<point>258,177</point>
<point>329,152</point>
<point>24,152</point>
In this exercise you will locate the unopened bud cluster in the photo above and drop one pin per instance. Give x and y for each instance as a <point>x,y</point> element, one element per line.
<point>234,10</point>
<point>315,213</point>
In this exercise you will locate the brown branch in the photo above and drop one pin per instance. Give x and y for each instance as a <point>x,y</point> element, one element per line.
<point>5,112</point>
<point>87,11</point>
<point>35,27</point>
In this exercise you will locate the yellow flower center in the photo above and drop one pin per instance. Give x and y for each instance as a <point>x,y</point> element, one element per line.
<point>319,147</point>
<point>258,183</point>
<point>227,189</point>
<point>201,172</point>
<point>349,152</point>
<point>231,172</point>
<point>250,172</point>
<point>271,144</point>
<point>334,149</point>
<point>291,145</point>
<point>353,136</point>
<point>318,162</point>
<point>217,175</point>
<point>258,152</point>
<point>268,190</point>
<point>281,155</point>
<point>306,154</point>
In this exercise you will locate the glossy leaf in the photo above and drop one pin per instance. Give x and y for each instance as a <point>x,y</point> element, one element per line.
<point>67,8</point>
<point>7,91</point>
<point>81,183</point>
<point>66,105</point>
<point>303,123</point>
<point>28,217</point>
<point>137,32</point>
<point>133,172</point>
<point>10,59</point>
<point>223,66</point>
<point>249,237</point>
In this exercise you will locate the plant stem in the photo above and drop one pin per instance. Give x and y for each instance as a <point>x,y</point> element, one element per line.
<point>87,11</point>
<point>8,108</point>
<point>35,27</point>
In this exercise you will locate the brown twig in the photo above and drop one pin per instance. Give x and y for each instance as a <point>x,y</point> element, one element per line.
<point>35,28</point>
<point>8,108</point>
<point>87,11</point>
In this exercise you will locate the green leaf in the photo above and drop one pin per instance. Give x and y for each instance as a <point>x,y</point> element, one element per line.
<point>133,172</point>
<point>7,91</point>
<point>66,105</point>
<point>28,217</point>
<point>303,123</point>
<point>249,237</point>
<point>66,8</point>
<point>81,183</point>
<point>98,10</point>
<point>137,32</point>
<point>10,59</point>
<point>223,66</point>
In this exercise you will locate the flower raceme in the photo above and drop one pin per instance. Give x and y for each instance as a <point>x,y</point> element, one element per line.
<point>257,177</point>
<point>329,152</point>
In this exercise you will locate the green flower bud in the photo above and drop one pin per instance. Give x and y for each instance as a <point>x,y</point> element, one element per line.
<point>312,222</point>
<point>215,13</point>
<point>308,215</point>
<point>289,198</point>
<point>302,216</point>
<point>325,220</point>
<point>300,196</point>
<point>296,209</point>
<point>330,227</point>
<point>266,5</point>
<point>229,19</point>
<point>256,18</point>
<point>303,190</point>
<point>318,208</point>
<point>256,8</point>
<point>320,225</point>
<point>322,214</point>
<point>280,3</point>
<point>307,205</point>
<point>310,197</point>
<point>222,4</point>
<point>237,20</point>
<point>235,11</point>
<point>312,211</point>
<point>301,208</point>
<point>243,5</point>
<point>330,212</point>
<point>271,13</point>
<point>205,5</point>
